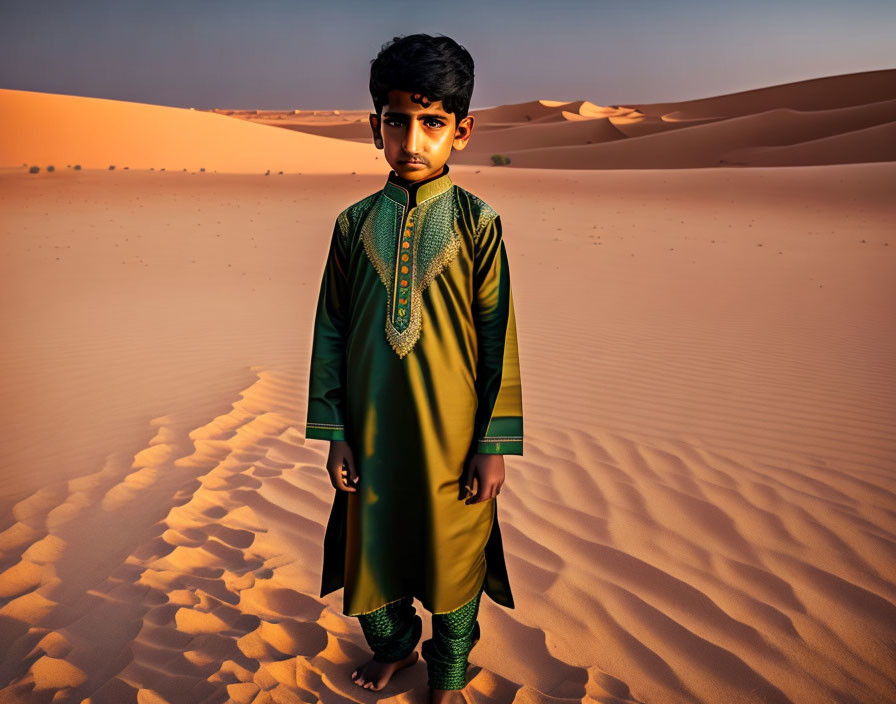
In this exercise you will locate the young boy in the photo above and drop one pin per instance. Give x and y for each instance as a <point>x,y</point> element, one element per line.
<point>415,380</point>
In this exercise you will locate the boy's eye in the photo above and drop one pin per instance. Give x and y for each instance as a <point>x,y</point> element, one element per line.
<point>429,121</point>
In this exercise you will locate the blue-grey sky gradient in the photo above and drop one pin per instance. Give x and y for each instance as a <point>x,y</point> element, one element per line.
<point>273,54</point>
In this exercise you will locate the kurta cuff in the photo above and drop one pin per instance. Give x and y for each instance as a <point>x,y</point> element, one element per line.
<point>324,431</point>
<point>503,437</point>
<point>500,446</point>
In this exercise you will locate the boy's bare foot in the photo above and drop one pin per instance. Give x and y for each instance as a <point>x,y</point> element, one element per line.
<point>375,675</point>
<point>446,696</point>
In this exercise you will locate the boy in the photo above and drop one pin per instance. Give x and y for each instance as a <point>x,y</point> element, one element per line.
<point>417,411</point>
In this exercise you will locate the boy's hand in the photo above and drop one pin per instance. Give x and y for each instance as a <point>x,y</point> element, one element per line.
<point>488,471</point>
<point>341,466</point>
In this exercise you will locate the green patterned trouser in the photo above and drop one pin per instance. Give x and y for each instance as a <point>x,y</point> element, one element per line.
<point>393,631</point>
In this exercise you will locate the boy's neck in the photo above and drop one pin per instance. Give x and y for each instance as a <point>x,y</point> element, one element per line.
<point>413,186</point>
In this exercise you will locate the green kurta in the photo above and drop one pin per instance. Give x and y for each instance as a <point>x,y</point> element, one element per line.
<point>414,363</point>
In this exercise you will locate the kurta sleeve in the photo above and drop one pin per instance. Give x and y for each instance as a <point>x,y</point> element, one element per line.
<point>499,416</point>
<point>326,386</point>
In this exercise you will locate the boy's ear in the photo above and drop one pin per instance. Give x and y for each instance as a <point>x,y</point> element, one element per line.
<point>375,128</point>
<point>463,132</point>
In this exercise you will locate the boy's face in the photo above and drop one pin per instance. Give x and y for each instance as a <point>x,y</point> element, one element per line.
<point>417,136</point>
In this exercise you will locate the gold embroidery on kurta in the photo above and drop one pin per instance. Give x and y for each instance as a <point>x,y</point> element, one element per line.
<point>343,225</point>
<point>406,271</point>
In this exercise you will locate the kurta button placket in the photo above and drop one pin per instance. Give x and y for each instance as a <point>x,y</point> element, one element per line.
<point>403,288</point>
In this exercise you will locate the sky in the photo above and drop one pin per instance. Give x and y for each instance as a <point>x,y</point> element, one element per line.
<point>291,54</point>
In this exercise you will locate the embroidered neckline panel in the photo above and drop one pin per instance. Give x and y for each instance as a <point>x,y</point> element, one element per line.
<point>408,259</point>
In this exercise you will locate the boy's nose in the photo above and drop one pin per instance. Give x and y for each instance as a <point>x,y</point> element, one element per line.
<point>412,138</point>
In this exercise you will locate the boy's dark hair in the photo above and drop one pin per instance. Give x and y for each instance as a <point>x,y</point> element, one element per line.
<point>438,67</point>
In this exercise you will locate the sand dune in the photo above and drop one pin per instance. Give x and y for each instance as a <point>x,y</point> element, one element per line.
<point>358,131</point>
<point>584,131</point>
<point>825,93</point>
<point>869,144</point>
<point>562,135</point>
<point>45,128</point>
<point>743,129</point>
<point>529,111</point>
<point>711,144</point>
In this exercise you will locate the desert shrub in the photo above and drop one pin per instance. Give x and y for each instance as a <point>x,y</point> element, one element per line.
<point>51,168</point>
<point>77,167</point>
<point>202,169</point>
<point>33,169</point>
<point>500,160</point>
<point>111,167</point>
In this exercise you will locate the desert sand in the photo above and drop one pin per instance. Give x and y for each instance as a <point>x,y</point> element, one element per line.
<point>704,511</point>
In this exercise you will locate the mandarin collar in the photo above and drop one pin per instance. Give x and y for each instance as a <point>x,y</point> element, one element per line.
<point>412,193</point>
